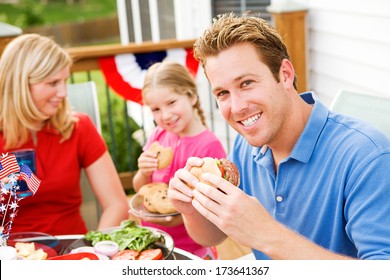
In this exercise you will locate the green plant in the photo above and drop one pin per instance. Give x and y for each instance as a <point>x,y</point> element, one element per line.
<point>23,14</point>
<point>123,148</point>
<point>31,12</point>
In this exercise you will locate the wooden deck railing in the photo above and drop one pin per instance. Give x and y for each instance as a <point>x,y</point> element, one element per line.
<point>86,57</point>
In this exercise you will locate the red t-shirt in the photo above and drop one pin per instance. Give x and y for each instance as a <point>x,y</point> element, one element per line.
<point>55,208</point>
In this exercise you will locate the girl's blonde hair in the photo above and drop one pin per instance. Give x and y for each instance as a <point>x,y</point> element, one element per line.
<point>26,60</point>
<point>175,76</point>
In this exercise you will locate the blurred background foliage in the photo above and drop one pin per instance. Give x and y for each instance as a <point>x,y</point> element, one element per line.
<point>27,13</point>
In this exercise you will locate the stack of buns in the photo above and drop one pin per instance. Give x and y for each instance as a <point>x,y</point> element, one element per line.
<point>155,198</point>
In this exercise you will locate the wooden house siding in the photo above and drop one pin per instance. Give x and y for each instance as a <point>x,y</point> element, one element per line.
<point>348,47</point>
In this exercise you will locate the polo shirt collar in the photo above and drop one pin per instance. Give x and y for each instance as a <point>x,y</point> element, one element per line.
<point>306,143</point>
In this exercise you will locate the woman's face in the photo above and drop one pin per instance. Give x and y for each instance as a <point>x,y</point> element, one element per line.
<point>48,94</point>
<point>171,111</point>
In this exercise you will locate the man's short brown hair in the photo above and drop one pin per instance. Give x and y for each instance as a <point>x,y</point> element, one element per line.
<point>229,30</point>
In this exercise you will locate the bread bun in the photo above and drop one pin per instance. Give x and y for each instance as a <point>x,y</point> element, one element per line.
<point>164,154</point>
<point>155,198</point>
<point>220,167</point>
<point>145,188</point>
<point>209,166</point>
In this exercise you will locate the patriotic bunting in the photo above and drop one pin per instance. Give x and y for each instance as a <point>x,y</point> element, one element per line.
<point>125,73</point>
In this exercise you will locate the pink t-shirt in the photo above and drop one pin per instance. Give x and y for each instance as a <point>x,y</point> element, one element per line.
<point>205,144</point>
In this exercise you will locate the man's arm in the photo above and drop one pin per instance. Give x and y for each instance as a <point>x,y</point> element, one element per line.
<point>246,221</point>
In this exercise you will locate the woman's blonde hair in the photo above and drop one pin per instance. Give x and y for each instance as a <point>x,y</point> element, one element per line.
<point>175,76</point>
<point>29,59</point>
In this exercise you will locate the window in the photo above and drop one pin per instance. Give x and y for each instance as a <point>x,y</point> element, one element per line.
<point>240,6</point>
<point>142,20</point>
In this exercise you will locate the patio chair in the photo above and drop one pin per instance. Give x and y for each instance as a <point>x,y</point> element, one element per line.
<point>370,108</point>
<point>83,98</point>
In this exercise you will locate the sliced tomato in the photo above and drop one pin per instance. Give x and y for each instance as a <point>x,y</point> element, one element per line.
<point>221,169</point>
<point>151,254</point>
<point>125,255</point>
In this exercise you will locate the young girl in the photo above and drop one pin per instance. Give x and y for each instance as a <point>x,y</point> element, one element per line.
<point>171,94</point>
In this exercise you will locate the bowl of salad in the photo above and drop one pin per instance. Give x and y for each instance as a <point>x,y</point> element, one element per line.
<point>133,242</point>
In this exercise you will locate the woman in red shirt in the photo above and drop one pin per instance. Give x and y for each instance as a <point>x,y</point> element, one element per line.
<point>34,113</point>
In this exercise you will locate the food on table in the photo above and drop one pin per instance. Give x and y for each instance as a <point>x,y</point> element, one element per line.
<point>83,249</point>
<point>106,247</point>
<point>89,249</point>
<point>155,198</point>
<point>126,255</point>
<point>150,254</point>
<point>220,167</point>
<point>164,154</point>
<point>27,251</point>
<point>131,239</point>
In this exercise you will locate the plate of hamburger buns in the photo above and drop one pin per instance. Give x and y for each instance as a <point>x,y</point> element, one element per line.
<point>152,199</point>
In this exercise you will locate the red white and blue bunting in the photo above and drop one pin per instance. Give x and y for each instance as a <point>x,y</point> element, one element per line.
<point>125,73</point>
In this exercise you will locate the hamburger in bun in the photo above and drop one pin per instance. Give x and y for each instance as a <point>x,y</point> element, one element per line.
<point>164,154</point>
<point>220,167</point>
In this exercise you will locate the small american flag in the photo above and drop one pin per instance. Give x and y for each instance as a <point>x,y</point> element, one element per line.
<point>27,175</point>
<point>8,165</point>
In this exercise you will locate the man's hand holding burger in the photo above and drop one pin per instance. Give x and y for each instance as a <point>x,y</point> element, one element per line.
<point>197,170</point>
<point>206,199</point>
<point>181,187</point>
<point>214,208</point>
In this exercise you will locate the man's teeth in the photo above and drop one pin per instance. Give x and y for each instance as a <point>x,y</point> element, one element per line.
<point>250,121</point>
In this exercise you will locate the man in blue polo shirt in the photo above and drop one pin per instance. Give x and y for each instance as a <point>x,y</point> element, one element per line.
<point>314,184</point>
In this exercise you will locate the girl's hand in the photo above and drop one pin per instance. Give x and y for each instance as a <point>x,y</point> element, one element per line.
<point>147,163</point>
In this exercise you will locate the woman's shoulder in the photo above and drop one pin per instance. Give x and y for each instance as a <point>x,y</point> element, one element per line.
<point>81,115</point>
<point>84,125</point>
<point>83,119</point>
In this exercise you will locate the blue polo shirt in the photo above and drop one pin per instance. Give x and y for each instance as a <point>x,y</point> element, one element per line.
<point>334,188</point>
